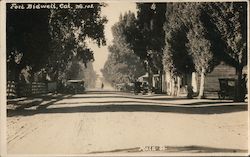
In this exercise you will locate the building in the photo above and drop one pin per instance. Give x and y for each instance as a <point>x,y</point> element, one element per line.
<point>178,85</point>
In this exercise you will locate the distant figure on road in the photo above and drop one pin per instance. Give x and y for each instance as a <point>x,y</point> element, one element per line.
<point>102,85</point>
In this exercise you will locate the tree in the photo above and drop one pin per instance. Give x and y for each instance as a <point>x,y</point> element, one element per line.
<point>27,40</point>
<point>176,58</point>
<point>227,26</point>
<point>50,38</point>
<point>122,66</point>
<point>198,45</point>
<point>199,48</point>
<point>145,35</point>
<point>69,29</point>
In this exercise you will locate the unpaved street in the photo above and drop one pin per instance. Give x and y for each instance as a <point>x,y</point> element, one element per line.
<point>108,122</point>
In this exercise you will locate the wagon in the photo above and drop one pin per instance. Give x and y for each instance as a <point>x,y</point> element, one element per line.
<point>227,88</point>
<point>75,86</point>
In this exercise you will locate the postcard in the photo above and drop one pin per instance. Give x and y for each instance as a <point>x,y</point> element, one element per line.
<point>124,78</point>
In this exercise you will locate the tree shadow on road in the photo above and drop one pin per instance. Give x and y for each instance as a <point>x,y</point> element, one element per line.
<point>160,97</point>
<point>204,103</point>
<point>41,102</point>
<point>131,107</point>
<point>89,103</point>
<point>131,96</point>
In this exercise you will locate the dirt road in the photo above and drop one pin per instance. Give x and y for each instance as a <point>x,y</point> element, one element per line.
<point>108,122</point>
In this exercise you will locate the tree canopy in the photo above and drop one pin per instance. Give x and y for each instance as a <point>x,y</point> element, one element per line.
<point>69,29</point>
<point>27,40</point>
<point>50,38</point>
<point>176,58</point>
<point>122,66</point>
<point>227,24</point>
<point>145,33</point>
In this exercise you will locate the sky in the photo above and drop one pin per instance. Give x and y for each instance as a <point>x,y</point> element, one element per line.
<point>112,12</point>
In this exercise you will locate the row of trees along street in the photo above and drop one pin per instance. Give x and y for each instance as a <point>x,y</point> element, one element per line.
<point>179,38</point>
<point>50,44</point>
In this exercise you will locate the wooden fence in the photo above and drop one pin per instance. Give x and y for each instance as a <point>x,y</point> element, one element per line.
<point>28,89</point>
<point>11,89</point>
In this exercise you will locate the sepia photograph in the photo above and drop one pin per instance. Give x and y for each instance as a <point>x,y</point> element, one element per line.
<point>126,78</point>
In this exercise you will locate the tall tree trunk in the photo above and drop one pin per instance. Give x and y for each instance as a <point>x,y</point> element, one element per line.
<point>150,77</point>
<point>178,86</point>
<point>239,95</point>
<point>172,85</point>
<point>160,81</point>
<point>202,84</point>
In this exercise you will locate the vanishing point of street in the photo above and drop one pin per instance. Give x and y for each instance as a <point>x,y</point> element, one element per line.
<point>116,122</point>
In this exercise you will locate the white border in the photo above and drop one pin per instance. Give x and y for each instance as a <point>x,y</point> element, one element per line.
<point>3,129</point>
<point>3,118</point>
